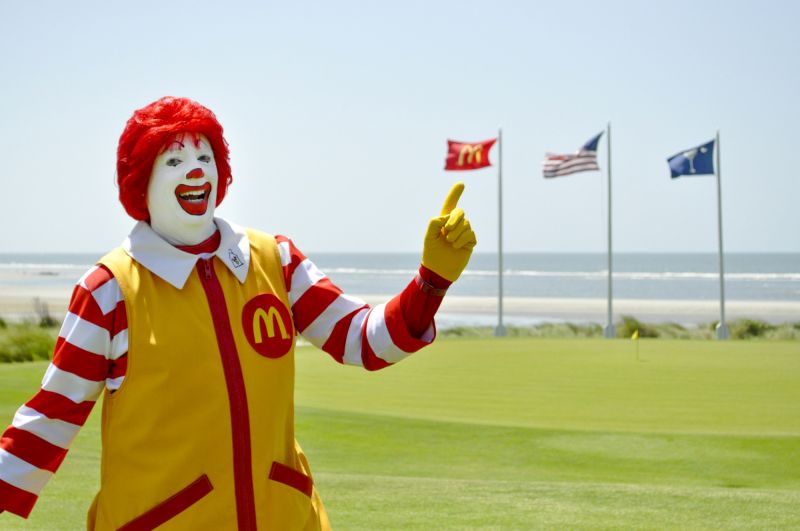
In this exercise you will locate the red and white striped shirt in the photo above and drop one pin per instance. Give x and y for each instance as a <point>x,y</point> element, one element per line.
<point>92,352</point>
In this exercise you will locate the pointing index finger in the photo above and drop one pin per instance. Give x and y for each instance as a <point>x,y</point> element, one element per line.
<point>452,198</point>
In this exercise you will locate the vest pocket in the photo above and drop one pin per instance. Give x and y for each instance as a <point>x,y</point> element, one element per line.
<point>291,477</point>
<point>171,507</point>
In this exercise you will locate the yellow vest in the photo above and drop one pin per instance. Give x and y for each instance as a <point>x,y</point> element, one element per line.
<point>201,433</point>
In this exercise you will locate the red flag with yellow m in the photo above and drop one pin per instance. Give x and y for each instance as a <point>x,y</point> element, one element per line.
<point>468,155</point>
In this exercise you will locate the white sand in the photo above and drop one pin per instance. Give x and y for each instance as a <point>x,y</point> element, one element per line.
<point>17,302</point>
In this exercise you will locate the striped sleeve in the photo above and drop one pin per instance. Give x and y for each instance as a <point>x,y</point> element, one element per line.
<point>345,327</point>
<point>90,353</point>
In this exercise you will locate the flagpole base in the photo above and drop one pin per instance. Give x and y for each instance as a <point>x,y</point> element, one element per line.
<point>722,331</point>
<point>610,331</point>
<point>500,331</point>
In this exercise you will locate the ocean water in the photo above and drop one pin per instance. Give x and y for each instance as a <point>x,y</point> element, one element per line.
<point>773,277</point>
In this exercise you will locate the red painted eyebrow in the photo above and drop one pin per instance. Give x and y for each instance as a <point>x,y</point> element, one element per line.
<point>172,147</point>
<point>195,137</point>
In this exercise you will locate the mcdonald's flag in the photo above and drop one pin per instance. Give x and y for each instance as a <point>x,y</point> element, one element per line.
<point>468,155</point>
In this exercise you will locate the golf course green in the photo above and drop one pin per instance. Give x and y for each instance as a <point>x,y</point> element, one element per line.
<point>523,433</point>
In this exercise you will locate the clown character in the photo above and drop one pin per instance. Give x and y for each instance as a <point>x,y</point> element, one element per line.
<point>188,329</point>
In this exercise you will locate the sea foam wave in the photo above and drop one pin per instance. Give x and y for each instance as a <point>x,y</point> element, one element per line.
<point>37,268</point>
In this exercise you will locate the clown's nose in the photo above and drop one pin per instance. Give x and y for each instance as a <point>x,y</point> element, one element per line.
<point>196,173</point>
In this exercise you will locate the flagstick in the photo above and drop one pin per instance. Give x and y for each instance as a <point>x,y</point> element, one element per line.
<point>637,349</point>
<point>609,329</point>
<point>722,327</point>
<point>500,330</point>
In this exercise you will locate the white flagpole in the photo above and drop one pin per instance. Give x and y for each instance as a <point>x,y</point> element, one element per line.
<point>609,330</point>
<point>500,330</point>
<point>722,327</point>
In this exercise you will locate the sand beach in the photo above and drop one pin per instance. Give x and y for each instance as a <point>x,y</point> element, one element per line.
<point>530,309</point>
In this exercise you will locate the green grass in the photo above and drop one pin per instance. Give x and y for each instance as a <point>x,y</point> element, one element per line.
<point>526,433</point>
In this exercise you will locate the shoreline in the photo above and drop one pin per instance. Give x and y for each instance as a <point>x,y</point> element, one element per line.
<point>16,303</point>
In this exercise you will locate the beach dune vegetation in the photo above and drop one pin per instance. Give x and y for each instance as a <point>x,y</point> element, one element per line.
<point>26,342</point>
<point>750,329</point>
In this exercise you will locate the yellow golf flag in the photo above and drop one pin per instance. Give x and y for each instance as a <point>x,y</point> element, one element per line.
<point>635,334</point>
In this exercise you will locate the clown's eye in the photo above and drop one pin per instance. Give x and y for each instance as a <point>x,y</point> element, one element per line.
<point>173,162</point>
<point>204,158</point>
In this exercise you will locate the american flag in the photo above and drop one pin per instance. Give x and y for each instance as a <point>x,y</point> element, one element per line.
<point>557,165</point>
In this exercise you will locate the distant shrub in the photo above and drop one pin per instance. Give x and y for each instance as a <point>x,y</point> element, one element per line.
<point>42,309</point>
<point>749,329</point>
<point>630,324</point>
<point>3,323</point>
<point>704,331</point>
<point>467,331</point>
<point>26,342</point>
<point>47,321</point>
<point>674,331</point>
<point>785,332</point>
<point>564,330</point>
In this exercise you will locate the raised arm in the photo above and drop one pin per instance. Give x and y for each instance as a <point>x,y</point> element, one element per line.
<point>354,333</point>
<point>91,352</point>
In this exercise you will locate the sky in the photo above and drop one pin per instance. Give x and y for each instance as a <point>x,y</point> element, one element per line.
<point>338,113</point>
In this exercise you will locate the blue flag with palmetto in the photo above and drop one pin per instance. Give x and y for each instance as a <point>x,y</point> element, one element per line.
<point>695,161</point>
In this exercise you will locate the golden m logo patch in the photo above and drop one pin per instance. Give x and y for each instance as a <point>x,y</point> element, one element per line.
<point>268,326</point>
<point>470,152</point>
<point>267,319</point>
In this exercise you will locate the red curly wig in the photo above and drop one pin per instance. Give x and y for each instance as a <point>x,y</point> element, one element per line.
<point>145,136</point>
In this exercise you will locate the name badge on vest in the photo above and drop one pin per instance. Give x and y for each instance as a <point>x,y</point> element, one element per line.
<point>268,325</point>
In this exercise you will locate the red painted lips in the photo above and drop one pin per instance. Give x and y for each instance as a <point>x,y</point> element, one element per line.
<point>193,199</point>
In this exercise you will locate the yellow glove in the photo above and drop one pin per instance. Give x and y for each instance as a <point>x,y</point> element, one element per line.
<point>449,239</point>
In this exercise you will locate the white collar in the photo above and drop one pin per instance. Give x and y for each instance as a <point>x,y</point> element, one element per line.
<point>163,259</point>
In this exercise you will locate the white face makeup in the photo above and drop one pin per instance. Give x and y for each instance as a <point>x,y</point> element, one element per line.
<point>182,191</point>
